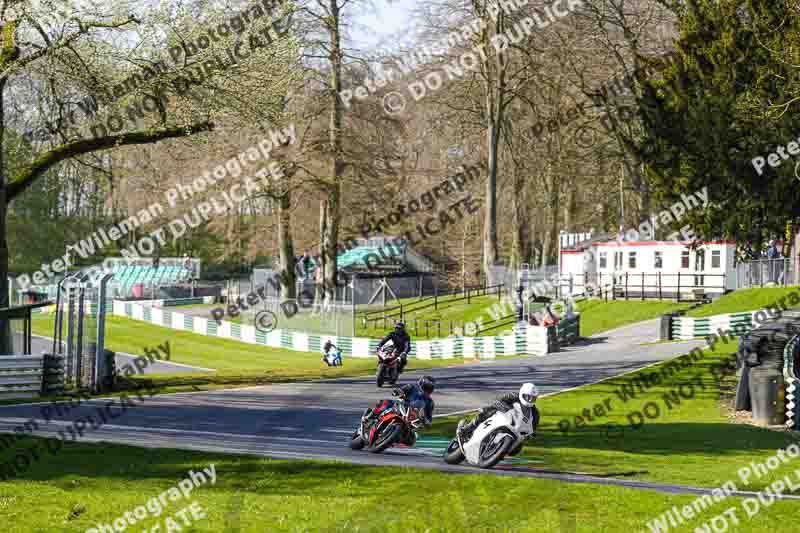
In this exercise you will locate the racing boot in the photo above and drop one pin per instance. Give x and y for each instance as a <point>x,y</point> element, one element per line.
<point>463,431</point>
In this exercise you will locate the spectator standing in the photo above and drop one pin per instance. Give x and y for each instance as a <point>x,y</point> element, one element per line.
<point>772,251</point>
<point>775,267</point>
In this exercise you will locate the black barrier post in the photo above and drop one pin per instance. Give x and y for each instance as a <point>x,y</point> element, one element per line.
<point>678,293</point>
<point>659,286</point>
<point>666,327</point>
<point>642,286</point>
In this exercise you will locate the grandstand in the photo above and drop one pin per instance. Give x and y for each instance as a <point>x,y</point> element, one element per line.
<point>378,254</point>
<point>132,280</point>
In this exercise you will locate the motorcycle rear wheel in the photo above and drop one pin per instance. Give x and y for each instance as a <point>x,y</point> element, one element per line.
<point>453,455</point>
<point>356,442</point>
<point>490,456</point>
<point>388,436</point>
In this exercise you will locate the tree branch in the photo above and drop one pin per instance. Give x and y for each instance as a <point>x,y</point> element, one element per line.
<point>29,174</point>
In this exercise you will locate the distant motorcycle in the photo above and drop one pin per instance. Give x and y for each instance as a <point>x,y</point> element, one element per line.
<point>388,365</point>
<point>392,422</point>
<point>501,435</point>
<point>333,358</point>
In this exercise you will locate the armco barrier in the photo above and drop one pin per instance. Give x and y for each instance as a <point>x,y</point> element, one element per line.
<point>530,340</point>
<point>686,328</point>
<point>20,376</point>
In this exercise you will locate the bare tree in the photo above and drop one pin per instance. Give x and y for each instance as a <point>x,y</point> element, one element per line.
<point>65,64</point>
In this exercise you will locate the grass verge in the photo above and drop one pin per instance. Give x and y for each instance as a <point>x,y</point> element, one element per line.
<point>689,441</point>
<point>237,364</point>
<point>90,484</point>
<point>599,315</point>
<point>430,323</point>
<point>747,300</point>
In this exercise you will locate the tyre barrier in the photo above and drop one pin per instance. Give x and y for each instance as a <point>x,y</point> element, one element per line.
<point>791,366</point>
<point>687,328</point>
<point>767,358</point>
<point>52,374</point>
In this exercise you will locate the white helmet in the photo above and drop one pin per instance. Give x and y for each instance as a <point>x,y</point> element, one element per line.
<point>528,394</point>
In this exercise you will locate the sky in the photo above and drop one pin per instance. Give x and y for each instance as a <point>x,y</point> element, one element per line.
<point>386,19</point>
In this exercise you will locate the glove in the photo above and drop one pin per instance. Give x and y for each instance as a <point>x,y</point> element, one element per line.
<point>398,392</point>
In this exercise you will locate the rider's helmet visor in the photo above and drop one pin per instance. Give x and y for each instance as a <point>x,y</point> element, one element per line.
<point>530,398</point>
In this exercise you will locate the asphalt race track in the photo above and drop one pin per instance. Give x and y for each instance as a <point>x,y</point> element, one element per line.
<point>313,420</point>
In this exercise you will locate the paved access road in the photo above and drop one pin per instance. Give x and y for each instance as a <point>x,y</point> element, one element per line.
<point>315,419</point>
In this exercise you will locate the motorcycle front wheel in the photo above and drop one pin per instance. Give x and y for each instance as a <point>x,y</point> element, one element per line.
<point>493,452</point>
<point>356,442</point>
<point>379,375</point>
<point>453,454</point>
<point>386,438</point>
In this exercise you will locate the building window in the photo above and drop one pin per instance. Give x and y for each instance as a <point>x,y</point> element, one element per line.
<point>658,260</point>
<point>700,260</point>
<point>685,259</point>
<point>603,259</point>
<point>631,259</point>
<point>617,260</point>
<point>716,258</point>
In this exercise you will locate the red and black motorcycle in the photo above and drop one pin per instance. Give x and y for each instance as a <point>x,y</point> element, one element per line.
<point>388,365</point>
<point>391,422</point>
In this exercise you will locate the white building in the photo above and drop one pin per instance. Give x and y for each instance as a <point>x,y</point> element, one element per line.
<point>655,268</point>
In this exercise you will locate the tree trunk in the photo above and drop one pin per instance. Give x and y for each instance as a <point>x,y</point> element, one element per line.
<point>794,256</point>
<point>329,238</point>
<point>570,208</point>
<point>553,237</point>
<point>521,247</point>
<point>330,229</point>
<point>6,344</point>
<point>286,247</point>
<point>490,223</point>
<point>550,244</point>
<point>495,91</point>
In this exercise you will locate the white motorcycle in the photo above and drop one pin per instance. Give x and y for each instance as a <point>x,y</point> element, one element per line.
<point>500,435</point>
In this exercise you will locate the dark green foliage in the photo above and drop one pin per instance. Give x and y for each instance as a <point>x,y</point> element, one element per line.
<point>725,97</point>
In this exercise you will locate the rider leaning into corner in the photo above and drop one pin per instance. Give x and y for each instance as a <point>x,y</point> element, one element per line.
<point>421,392</point>
<point>401,342</point>
<point>526,398</point>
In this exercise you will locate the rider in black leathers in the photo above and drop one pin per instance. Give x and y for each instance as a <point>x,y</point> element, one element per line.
<point>420,392</point>
<point>401,342</point>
